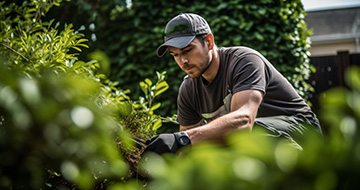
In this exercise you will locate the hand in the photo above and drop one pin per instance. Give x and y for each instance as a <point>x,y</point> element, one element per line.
<point>162,143</point>
<point>167,142</point>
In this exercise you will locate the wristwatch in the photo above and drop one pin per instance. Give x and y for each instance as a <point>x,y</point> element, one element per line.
<point>182,138</point>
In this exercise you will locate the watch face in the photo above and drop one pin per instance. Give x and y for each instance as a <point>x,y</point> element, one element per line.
<point>184,140</point>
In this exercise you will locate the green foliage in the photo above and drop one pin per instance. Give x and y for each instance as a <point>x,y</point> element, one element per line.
<point>340,106</point>
<point>140,118</point>
<point>130,36</point>
<point>52,123</point>
<point>151,91</point>
<point>36,44</point>
<point>62,121</point>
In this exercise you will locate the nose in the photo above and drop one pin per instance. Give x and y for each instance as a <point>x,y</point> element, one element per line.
<point>183,60</point>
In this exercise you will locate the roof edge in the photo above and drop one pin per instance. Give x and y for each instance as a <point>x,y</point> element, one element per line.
<point>333,38</point>
<point>332,8</point>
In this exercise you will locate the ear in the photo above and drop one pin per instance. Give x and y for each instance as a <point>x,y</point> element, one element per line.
<point>209,40</point>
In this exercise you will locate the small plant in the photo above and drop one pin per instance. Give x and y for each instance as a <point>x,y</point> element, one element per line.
<point>140,120</point>
<point>151,92</point>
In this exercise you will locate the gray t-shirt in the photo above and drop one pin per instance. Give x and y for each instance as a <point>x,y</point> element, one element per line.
<point>241,68</point>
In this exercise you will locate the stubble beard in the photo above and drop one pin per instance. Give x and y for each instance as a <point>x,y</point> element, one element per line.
<point>205,66</point>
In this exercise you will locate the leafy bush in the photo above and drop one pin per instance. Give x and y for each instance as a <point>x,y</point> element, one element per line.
<point>51,123</point>
<point>63,122</point>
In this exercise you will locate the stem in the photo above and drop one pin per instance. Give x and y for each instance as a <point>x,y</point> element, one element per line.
<point>15,51</point>
<point>167,119</point>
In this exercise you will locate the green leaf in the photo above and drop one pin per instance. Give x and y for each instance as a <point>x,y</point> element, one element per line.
<point>157,124</point>
<point>144,87</point>
<point>61,68</point>
<point>222,5</point>
<point>155,106</point>
<point>233,22</point>
<point>161,87</point>
<point>83,45</point>
<point>82,40</point>
<point>31,10</point>
<point>74,47</point>
<point>148,81</point>
<point>259,36</point>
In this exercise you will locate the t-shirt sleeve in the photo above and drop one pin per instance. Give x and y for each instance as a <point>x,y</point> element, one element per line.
<point>249,73</point>
<point>186,115</point>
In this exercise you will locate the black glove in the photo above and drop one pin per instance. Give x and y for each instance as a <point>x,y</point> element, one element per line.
<point>167,142</point>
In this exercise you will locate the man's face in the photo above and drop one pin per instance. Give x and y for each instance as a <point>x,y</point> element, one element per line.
<point>193,59</point>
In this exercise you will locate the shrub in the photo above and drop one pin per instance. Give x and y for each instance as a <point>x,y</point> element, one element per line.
<point>63,122</point>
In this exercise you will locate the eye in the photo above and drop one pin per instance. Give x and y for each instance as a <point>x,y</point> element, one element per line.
<point>187,51</point>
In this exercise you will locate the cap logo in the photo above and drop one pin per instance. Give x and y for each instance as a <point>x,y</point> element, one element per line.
<point>179,28</point>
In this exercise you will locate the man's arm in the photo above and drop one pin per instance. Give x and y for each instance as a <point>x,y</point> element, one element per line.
<point>184,128</point>
<point>244,107</point>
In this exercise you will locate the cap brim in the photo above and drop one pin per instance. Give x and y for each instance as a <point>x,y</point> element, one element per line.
<point>178,42</point>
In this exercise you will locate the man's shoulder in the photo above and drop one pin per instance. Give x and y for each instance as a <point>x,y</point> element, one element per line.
<point>237,50</point>
<point>238,56</point>
<point>187,83</point>
<point>241,54</point>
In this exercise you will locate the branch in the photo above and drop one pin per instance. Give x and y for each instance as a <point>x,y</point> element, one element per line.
<point>169,120</point>
<point>15,51</point>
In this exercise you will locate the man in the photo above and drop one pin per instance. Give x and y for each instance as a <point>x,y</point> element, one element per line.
<point>226,89</point>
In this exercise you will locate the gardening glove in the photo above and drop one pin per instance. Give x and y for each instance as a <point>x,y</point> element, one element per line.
<point>167,142</point>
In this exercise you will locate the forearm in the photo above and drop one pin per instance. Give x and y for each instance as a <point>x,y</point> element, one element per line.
<point>220,127</point>
<point>244,106</point>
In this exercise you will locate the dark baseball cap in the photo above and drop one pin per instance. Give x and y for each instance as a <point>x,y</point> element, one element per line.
<point>181,30</point>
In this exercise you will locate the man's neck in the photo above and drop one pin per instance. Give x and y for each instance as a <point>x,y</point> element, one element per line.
<point>212,71</point>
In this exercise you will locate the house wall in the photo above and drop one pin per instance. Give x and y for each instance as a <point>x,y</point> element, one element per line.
<point>332,48</point>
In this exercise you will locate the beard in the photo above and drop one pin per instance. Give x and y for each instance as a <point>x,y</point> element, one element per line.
<point>196,70</point>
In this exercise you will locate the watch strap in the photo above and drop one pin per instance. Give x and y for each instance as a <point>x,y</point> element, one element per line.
<point>182,138</point>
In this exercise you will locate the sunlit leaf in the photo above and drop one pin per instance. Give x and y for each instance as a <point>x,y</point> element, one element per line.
<point>74,47</point>
<point>155,106</point>
<point>81,40</point>
<point>144,87</point>
<point>148,82</point>
<point>161,87</point>
<point>157,124</point>
<point>83,45</point>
